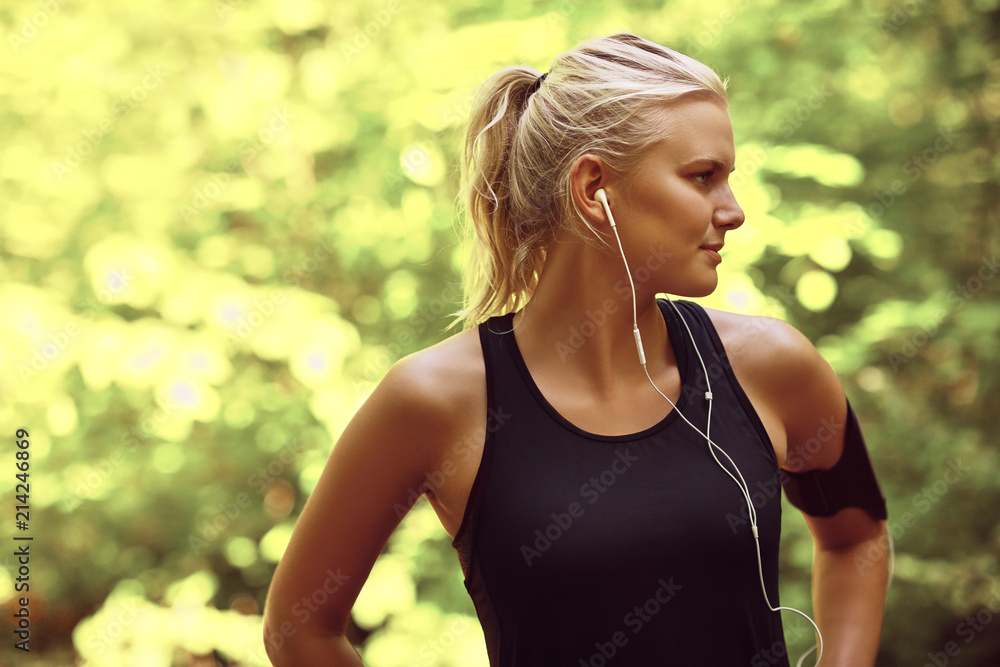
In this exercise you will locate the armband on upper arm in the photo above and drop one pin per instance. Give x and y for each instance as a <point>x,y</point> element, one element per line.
<point>849,483</point>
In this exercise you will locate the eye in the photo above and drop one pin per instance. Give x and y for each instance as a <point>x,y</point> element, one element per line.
<point>704,176</point>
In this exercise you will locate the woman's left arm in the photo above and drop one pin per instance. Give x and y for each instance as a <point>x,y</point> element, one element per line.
<point>850,559</point>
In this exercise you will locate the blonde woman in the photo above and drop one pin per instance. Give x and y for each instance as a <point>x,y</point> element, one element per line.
<point>608,464</point>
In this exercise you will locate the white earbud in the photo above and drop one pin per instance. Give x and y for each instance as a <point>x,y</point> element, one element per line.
<point>602,197</point>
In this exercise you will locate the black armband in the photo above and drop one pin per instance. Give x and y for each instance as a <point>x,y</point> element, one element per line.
<point>849,483</point>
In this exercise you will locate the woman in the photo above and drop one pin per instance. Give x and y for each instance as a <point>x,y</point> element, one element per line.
<point>595,522</point>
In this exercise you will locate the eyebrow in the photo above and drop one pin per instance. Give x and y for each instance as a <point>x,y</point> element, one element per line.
<point>718,164</point>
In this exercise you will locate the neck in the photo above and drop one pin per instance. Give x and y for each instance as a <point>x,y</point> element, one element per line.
<point>579,319</point>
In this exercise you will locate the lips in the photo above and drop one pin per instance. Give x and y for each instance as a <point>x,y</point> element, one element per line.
<point>712,250</point>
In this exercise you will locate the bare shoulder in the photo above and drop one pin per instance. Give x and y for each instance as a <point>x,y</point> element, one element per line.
<point>779,366</point>
<point>446,380</point>
<point>765,344</point>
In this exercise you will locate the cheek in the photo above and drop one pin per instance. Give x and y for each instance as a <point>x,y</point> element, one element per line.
<point>669,201</point>
<point>670,209</point>
<point>686,201</point>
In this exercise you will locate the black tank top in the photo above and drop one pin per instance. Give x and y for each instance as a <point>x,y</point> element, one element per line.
<point>634,550</point>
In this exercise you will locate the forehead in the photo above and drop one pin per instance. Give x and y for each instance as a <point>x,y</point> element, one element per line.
<point>695,128</point>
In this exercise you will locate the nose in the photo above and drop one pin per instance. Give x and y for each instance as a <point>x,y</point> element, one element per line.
<point>728,213</point>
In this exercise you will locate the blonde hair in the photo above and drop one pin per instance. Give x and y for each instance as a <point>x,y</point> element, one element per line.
<point>521,144</point>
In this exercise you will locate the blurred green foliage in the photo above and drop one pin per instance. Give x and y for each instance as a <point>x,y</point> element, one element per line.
<point>221,222</point>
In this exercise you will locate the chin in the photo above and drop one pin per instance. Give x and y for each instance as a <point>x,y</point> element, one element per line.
<point>694,290</point>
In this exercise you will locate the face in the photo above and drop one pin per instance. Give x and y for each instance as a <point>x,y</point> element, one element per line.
<point>679,202</point>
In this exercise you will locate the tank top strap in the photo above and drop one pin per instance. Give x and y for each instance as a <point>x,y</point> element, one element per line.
<point>719,367</point>
<point>491,338</point>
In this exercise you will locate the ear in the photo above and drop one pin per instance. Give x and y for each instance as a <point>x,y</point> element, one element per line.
<point>589,174</point>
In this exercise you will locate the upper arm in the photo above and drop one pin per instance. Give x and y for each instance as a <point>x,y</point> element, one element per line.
<point>810,400</point>
<point>371,478</point>
<point>804,391</point>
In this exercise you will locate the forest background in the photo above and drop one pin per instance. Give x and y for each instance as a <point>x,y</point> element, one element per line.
<point>221,223</point>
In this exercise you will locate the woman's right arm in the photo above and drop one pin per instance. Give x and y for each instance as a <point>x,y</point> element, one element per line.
<point>379,460</point>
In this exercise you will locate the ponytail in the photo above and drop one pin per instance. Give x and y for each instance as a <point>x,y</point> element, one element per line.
<point>507,249</point>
